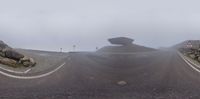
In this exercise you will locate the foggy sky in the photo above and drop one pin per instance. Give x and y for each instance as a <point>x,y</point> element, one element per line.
<point>52,24</point>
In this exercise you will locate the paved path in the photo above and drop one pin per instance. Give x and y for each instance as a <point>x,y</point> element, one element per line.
<point>152,75</point>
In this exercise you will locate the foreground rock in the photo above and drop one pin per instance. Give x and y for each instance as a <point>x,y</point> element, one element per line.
<point>13,55</point>
<point>26,61</point>
<point>8,56</point>
<point>7,61</point>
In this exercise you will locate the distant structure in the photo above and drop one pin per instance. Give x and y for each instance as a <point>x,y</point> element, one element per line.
<point>74,47</point>
<point>121,41</point>
<point>61,50</point>
<point>97,48</point>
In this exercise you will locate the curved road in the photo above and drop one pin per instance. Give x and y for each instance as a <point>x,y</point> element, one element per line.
<point>148,75</point>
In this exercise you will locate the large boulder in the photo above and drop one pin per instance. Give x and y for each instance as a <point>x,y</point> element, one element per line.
<point>7,61</point>
<point>121,41</point>
<point>27,61</point>
<point>13,55</point>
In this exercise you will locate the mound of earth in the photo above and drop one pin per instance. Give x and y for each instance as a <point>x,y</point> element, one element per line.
<point>10,57</point>
<point>129,48</point>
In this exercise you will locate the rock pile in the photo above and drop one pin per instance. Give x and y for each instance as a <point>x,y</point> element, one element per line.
<point>8,56</point>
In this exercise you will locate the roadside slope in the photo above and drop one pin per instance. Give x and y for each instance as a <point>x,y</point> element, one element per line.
<point>127,48</point>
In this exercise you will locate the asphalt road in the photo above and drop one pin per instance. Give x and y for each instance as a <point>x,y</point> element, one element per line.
<point>147,75</point>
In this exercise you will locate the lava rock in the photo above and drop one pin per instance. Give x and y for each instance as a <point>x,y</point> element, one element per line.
<point>26,61</point>
<point>7,61</point>
<point>13,55</point>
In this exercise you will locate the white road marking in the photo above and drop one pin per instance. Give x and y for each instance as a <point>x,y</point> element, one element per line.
<point>193,63</point>
<point>27,70</point>
<point>16,72</point>
<point>32,77</point>
<point>188,62</point>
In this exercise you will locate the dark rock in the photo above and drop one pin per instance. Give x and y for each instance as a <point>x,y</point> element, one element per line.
<point>121,41</point>
<point>13,55</point>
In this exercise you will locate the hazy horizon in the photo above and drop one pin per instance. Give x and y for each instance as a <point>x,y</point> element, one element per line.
<point>54,24</point>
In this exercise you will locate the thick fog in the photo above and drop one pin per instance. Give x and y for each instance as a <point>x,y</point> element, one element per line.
<point>55,24</point>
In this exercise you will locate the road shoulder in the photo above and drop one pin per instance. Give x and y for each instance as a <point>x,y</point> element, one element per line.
<point>190,62</point>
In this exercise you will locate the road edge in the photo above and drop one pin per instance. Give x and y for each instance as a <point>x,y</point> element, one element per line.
<point>191,64</point>
<point>32,77</point>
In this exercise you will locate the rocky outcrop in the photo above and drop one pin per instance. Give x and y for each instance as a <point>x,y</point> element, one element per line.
<point>121,41</point>
<point>8,56</point>
<point>126,46</point>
